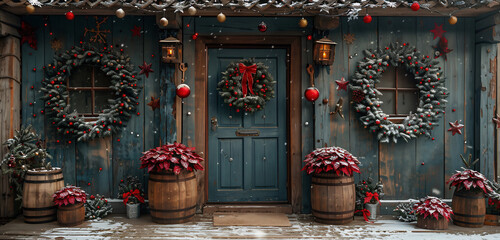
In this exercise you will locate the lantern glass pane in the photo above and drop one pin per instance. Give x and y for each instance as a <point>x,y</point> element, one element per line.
<point>324,52</point>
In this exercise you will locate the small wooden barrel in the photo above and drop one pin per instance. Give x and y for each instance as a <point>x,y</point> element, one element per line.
<point>492,220</point>
<point>39,186</point>
<point>333,198</point>
<point>172,198</point>
<point>469,208</point>
<point>71,215</point>
<point>432,223</point>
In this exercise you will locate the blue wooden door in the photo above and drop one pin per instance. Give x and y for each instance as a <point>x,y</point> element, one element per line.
<point>247,168</point>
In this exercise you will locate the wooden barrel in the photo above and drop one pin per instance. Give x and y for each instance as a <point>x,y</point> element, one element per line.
<point>172,198</point>
<point>333,198</point>
<point>469,208</point>
<point>432,223</point>
<point>39,186</point>
<point>71,215</point>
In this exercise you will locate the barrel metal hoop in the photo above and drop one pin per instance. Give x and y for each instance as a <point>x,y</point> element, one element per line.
<point>334,220</point>
<point>466,215</point>
<point>176,180</point>
<point>474,223</point>
<point>173,219</point>
<point>173,210</point>
<point>330,177</point>
<point>469,197</point>
<point>333,184</point>
<point>43,216</point>
<point>40,209</point>
<point>323,212</point>
<point>46,221</point>
<point>44,174</point>
<point>69,209</point>
<point>44,181</point>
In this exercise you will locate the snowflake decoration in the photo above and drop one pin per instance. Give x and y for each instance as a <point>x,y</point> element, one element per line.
<point>56,44</point>
<point>349,38</point>
<point>99,35</point>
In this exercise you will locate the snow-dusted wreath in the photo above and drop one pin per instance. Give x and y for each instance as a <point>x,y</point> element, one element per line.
<point>246,85</point>
<point>121,108</point>
<point>428,78</point>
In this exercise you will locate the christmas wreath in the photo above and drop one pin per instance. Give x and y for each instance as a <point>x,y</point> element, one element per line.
<point>429,81</point>
<point>123,82</point>
<point>246,85</point>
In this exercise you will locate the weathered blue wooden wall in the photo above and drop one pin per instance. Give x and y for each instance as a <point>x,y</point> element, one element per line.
<point>118,156</point>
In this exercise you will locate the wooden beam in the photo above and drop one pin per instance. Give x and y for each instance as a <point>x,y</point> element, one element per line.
<point>489,35</point>
<point>497,137</point>
<point>9,19</point>
<point>486,22</point>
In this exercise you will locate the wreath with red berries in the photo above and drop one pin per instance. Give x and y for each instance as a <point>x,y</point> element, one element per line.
<point>429,81</point>
<point>246,85</point>
<point>112,119</point>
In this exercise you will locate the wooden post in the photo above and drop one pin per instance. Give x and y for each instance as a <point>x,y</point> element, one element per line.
<point>10,100</point>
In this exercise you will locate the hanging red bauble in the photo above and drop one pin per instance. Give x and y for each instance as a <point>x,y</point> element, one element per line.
<point>183,90</point>
<point>415,6</point>
<point>311,94</point>
<point>367,18</point>
<point>194,36</point>
<point>262,27</point>
<point>70,15</point>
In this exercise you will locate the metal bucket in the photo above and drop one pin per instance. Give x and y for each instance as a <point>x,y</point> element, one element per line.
<point>372,207</point>
<point>133,210</point>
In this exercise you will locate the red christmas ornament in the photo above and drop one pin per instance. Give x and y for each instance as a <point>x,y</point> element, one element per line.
<point>262,27</point>
<point>183,90</point>
<point>415,6</point>
<point>311,94</point>
<point>367,18</point>
<point>194,36</point>
<point>70,15</point>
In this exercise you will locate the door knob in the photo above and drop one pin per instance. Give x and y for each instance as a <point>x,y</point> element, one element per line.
<point>214,123</point>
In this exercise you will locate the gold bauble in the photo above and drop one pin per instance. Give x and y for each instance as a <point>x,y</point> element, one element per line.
<point>30,9</point>
<point>302,23</point>
<point>163,22</point>
<point>221,17</point>
<point>452,20</point>
<point>191,10</point>
<point>120,13</point>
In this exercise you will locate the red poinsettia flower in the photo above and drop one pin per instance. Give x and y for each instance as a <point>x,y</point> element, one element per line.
<point>470,179</point>
<point>69,195</point>
<point>173,157</point>
<point>331,159</point>
<point>433,207</point>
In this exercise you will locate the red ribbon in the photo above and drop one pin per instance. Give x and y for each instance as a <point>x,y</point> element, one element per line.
<point>136,193</point>
<point>369,197</point>
<point>366,214</point>
<point>246,77</point>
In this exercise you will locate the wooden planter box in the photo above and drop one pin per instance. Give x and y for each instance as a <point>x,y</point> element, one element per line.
<point>71,215</point>
<point>432,223</point>
<point>492,220</point>
<point>333,198</point>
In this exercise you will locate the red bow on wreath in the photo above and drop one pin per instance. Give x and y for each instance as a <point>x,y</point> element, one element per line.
<point>136,193</point>
<point>246,76</point>
<point>366,214</point>
<point>369,197</point>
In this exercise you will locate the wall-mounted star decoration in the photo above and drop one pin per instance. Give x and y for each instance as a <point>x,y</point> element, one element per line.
<point>342,84</point>
<point>155,103</point>
<point>146,69</point>
<point>496,121</point>
<point>56,44</point>
<point>136,31</point>
<point>438,31</point>
<point>28,35</point>
<point>456,127</point>
<point>349,38</point>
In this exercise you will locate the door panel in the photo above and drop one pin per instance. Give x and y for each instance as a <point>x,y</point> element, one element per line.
<point>247,168</point>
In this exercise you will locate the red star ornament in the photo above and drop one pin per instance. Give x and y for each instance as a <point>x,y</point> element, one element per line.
<point>27,33</point>
<point>342,84</point>
<point>442,48</point>
<point>136,31</point>
<point>438,31</point>
<point>496,121</point>
<point>155,103</point>
<point>146,69</point>
<point>455,128</point>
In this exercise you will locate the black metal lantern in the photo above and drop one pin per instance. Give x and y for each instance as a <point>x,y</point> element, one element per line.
<point>324,51</point>
<point>170,50</point>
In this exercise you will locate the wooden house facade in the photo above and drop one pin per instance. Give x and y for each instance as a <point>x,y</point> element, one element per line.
<point>256,157</point>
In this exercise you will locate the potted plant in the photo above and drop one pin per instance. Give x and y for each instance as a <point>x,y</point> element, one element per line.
<point>33,179</point>
<point>468,201</point>
<point>368,196</point>
<point>404,211</point>
<point>493,209</point>
<point>69,201</point>
<point>132,194</point>
<point>432,213</point>
<point>172,186</point>
<point>97,207</point>
<point>332,170</point>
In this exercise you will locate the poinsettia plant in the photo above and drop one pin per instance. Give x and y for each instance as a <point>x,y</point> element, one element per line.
<point>433,207</point>
<point>470,179</point>
<point>69,195</point>
<point>171,157</point>
<point>131,191</point>
<point>329,159</point>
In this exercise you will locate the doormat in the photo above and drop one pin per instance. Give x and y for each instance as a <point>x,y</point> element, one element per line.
<point>252,219</point>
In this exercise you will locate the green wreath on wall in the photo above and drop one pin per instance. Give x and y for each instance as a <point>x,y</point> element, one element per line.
<point>246,85</point>
<point>120,109</point>
<point>429,81</point>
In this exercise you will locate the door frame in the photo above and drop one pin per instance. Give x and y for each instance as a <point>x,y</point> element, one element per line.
<point>294,110</point>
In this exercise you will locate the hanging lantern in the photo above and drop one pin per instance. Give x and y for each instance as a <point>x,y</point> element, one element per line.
<point>170,50</point>
<point>324,51</point>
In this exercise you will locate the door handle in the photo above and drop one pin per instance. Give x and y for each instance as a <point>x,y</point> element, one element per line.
<point>214,123</point>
